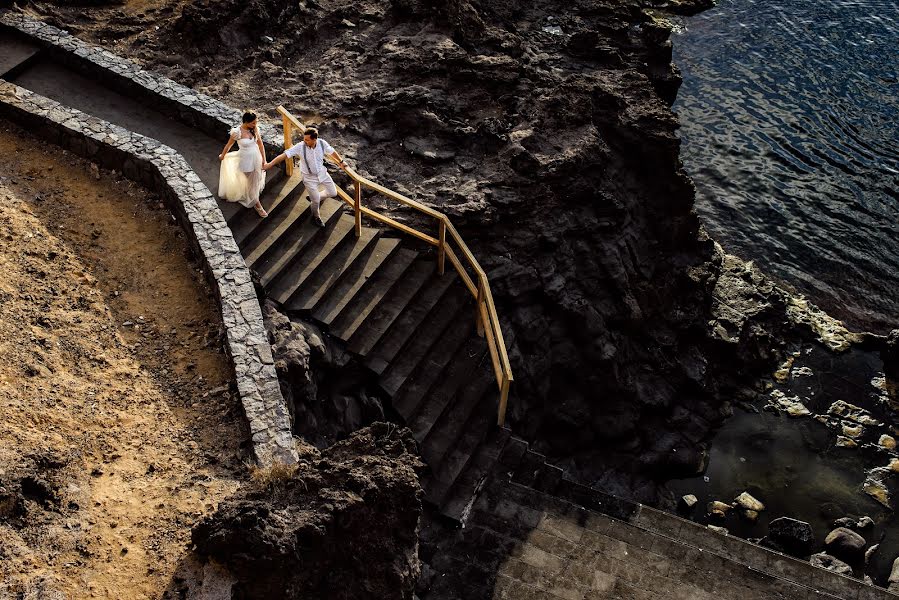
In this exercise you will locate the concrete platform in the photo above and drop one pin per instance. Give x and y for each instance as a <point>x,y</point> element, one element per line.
<point>72,89</point>
<point>15,51</point>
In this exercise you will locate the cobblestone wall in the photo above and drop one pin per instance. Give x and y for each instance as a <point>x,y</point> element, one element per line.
<point>180,102</point>
<point>162,169</point>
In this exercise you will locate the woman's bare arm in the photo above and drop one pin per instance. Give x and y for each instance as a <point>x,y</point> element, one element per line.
<point>228,147</point>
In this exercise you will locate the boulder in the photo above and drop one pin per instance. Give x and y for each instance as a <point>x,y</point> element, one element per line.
<point>870,552</point>
<point>794,536</point>
<point>845,544</point>
<point>750,515</point>
<point>747,502</point>
<point>893,579</point>
<point>718,509</point>
<point>864,522</point>
<point>341,526</point>
<point>690,500</point>
<point>826,561</point>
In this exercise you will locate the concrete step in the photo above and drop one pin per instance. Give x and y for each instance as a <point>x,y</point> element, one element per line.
<point>267,232</point>
<point>235,212</point>
<point>461,496</point>
<point>231,210</point>
<point>281,251</point>
<point>427,352</point>
<point>367,300</point>
<point>333,269</point>
<point>444,434</point>
<point>290,273</point>
<point>390,307</point>
<point>276,196</point>
<point>388,345</point>
<point>439,483</point>
<point>329,306</point>
<point>451,311</point>
<point>460,372</point>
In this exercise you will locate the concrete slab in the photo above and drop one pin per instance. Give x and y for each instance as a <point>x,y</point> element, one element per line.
<point>14,50</point>
<point>67,87</point>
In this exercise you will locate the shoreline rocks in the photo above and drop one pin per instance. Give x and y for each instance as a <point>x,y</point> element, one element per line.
<point>793,535</point>
<point>845,544</point>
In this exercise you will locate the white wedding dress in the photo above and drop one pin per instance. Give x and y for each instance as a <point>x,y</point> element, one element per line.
<point>241,178</point>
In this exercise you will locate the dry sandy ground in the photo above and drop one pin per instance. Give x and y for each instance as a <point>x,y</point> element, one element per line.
<point>117,426</point>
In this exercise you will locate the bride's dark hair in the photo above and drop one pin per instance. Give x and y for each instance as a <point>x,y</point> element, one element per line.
<point>248,117</point>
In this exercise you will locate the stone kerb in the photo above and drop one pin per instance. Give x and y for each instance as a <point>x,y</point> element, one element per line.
<point>176,101</point>
<point>161,168</point>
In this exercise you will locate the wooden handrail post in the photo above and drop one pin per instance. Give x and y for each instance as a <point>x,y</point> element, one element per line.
<point>503,401</point>
<point>478,318</point>
<point>441,248</point>
<point>288,142</point>
<point>358,209</point>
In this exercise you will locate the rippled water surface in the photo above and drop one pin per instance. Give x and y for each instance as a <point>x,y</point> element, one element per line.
<point>790,128</point>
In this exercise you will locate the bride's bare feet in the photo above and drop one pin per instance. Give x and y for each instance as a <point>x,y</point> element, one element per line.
<point>260,210</point>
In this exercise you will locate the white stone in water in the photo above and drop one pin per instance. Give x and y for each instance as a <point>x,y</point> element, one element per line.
<point>747,502</point>
<point>844,442</point>
<point>750,515</point>
<point>718,509</point>
<point>791,405</point>
<point>893,579</point>
<point>852,430</point>
<point>801,372</point>
<point>877,490</point>
<point>852,413</point>
<point>887,442</point>
<point>690,500</point>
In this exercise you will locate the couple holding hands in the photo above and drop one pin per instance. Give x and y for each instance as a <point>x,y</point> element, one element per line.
<point>242,173</point>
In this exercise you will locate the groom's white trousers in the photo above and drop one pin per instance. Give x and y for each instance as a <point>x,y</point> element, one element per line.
<point>315,196</point>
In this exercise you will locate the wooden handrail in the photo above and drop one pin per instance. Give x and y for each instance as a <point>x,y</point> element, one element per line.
<point>479,287</point>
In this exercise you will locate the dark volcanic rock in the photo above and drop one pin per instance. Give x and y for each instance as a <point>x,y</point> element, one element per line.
<point>796,537</point>
<point>890,355</point>
<point>326,391</point>
<point>845,544</point>
<point>545,131</point>
<point>826,561</point>
<point>341,526</point>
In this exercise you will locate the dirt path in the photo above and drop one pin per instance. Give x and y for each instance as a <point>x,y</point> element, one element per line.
<point>117,426</point>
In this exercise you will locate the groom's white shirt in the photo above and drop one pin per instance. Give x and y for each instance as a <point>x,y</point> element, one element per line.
<point>314,156</point>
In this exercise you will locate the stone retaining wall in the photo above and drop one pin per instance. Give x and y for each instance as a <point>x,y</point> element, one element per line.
<point>162,169</point>
<point>172,99</point>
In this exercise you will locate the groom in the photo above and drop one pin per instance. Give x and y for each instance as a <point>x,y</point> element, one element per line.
<point>312,154</point>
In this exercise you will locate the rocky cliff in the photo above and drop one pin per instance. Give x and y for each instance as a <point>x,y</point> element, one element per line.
<point>546,131</point>
<point>341,524</point>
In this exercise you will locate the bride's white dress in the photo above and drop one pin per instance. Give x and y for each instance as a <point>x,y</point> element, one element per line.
<point>241,178</point>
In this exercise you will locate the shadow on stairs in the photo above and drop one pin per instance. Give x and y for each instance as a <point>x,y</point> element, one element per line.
<point>414,328</point>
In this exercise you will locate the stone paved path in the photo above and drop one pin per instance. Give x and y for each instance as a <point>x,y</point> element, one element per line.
<point>522,544</point>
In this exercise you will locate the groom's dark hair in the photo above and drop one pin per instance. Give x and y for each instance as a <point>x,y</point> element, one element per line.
<point>311,132</point>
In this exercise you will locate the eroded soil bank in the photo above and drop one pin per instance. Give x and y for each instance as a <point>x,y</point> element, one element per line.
<point>118,429</point>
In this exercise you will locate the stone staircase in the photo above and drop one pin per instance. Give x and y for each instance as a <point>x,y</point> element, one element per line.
<point>378,294</point>
<point>385,300</point>
<point>533,534</point>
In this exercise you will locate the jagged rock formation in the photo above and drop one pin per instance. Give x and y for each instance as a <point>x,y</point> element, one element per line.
<point>343,524</point>
<point>546,131</point>
<point>329,395</point>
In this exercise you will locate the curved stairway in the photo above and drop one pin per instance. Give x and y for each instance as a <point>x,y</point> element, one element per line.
<point>385,300</point>
<point>380,295</point>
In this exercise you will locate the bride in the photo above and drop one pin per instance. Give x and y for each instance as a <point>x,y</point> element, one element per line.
<point>241,177</point>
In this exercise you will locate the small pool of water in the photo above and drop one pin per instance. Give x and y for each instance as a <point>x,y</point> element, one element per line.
<point>795,466</point>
